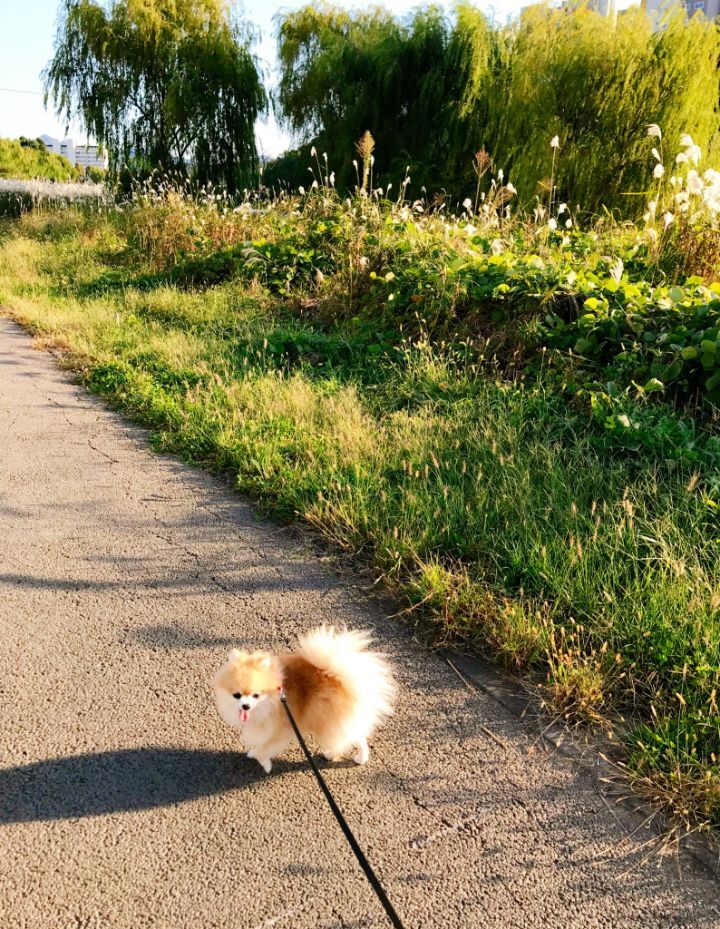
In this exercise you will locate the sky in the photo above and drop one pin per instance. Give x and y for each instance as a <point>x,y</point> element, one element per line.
<point>26,44</point>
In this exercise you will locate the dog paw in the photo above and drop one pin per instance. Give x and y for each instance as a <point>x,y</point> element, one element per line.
<point>331,756</point>
<point>361,755</point>
<point>250,754</point>
<point>265,764</point>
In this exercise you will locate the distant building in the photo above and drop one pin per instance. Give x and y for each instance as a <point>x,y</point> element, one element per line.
<point>711,8</point>
<point>656,9</point>
<point>66,147</point>
<point>603,7</point>
<point>89,156</point>
<point>85,156</point>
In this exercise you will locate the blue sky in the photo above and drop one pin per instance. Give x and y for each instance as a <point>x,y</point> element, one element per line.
<point>26,44</point>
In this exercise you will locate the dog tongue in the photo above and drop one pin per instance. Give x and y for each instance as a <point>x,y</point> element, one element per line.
<point>244,716</point>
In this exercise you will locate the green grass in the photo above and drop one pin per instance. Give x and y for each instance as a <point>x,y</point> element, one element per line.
<point>28,159</point>
<point>503,512</point>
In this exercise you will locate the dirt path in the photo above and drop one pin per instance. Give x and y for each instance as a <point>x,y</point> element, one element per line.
<point>124,802</point>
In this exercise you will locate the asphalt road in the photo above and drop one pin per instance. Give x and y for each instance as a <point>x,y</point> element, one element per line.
<point>125,577</point>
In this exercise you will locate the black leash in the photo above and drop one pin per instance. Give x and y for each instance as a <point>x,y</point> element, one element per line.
<point>352,841</point>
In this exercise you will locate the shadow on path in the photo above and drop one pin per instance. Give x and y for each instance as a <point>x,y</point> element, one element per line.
<point>167,636</point>
<point>96,784</point>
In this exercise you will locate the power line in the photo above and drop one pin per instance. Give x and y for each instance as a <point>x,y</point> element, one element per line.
<point>13,90</point>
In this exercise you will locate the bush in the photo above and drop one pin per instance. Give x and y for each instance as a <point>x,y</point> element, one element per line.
<point>538,295</point>
<point>95,175</point>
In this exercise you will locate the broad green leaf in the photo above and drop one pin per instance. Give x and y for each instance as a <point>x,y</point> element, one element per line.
<point>713,382</point>
<point>652,385</point>
<point>584,345</point>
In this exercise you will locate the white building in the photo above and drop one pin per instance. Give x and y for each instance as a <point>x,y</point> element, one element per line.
<point>90,156</point>
<point>84,156</point>
<point>66,147</point>
<point>603,7</point>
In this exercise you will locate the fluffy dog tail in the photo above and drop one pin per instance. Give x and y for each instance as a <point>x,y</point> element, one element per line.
<point>365,675</point>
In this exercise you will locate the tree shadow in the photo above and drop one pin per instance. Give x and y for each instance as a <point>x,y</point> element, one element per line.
<point>100,783</point>
<point>114,280</point>
<point>166,636</point>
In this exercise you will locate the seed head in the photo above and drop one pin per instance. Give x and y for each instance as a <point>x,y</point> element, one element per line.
<point>365,146</point>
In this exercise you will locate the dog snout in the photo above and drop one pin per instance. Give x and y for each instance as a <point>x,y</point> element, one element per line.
<point>245,706</point>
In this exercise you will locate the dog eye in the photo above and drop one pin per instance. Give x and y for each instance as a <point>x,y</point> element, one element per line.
<point>256,696</point>
<point>237,696</point>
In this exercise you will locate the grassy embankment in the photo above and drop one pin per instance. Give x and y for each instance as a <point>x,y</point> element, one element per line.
<point>32,160</point>
<point>513,425</point>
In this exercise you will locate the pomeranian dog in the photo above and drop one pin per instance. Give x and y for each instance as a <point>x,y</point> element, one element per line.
<point>335,688</point>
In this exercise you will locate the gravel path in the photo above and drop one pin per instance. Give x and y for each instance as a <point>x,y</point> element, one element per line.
<point>125,577</point>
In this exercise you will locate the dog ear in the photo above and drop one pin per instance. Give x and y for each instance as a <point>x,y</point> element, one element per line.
<point>237,655</point>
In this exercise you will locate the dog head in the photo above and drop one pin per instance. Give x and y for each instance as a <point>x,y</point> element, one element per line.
<point>244,685</point>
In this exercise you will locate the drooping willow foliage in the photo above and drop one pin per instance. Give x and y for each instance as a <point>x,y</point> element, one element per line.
<point>162,83</point>
<point>344,72</point>
<point>433,89</point>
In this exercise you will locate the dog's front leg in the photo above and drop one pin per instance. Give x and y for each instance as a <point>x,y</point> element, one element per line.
<point>258,754</point>
<point>254,751</point>
<point>264,754</point>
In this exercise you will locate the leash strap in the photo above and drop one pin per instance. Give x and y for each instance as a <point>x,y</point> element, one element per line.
<point>342,822</point>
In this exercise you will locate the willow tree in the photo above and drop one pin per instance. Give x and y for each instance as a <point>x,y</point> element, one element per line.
<point>167,83</point>
<point>343,73</point>
<point>479,58</point>
<point>594,83</point>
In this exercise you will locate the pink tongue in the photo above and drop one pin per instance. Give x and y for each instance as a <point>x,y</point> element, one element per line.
<point>244,716</point>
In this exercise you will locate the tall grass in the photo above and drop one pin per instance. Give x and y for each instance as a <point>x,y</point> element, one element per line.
<point>20,196</point>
